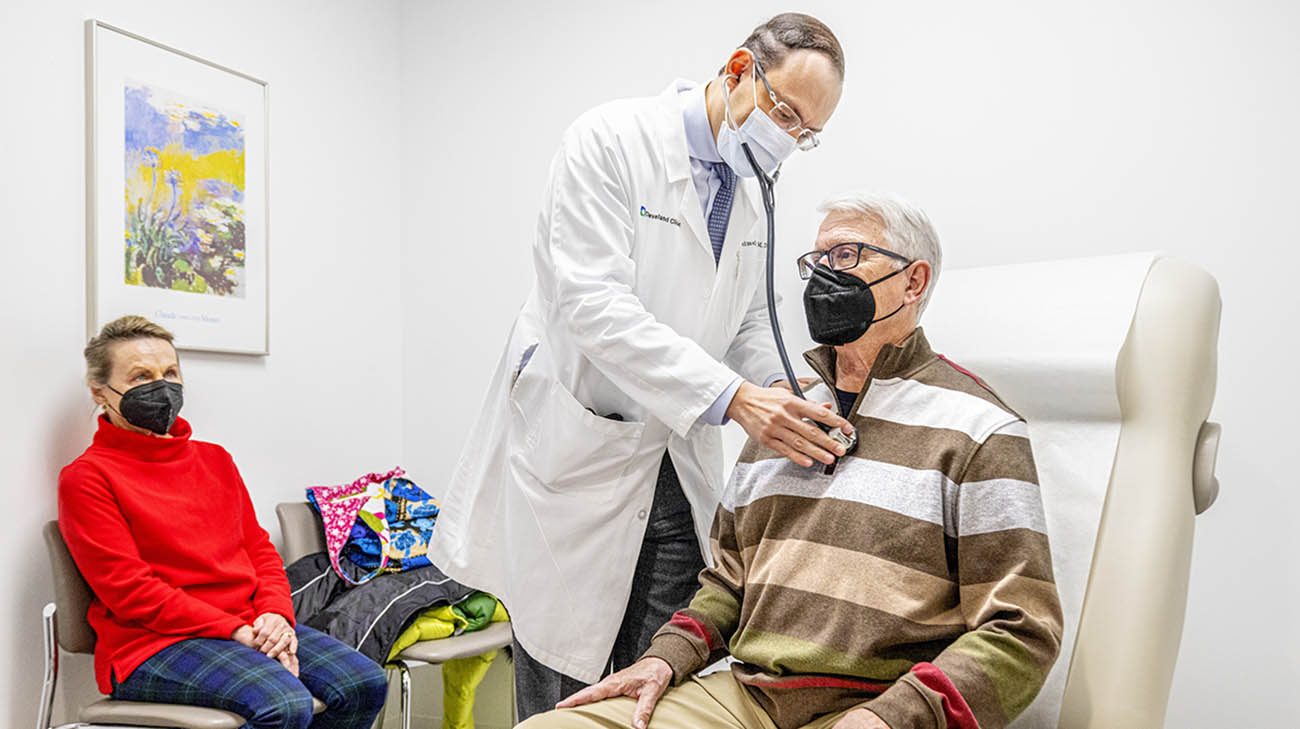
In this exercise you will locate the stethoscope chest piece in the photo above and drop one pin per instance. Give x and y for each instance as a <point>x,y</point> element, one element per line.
<point>850,443</point>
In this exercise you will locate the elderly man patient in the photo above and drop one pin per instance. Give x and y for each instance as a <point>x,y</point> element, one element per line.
<point>909,585</point>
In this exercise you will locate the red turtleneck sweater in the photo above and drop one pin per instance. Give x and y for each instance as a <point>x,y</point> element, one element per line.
<point>164,532</point>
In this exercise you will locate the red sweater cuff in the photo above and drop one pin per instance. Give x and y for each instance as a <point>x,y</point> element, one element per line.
<point>277,605</point>
<point>222,629</point>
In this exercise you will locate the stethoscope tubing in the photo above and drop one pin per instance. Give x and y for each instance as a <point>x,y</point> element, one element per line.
<point>765,184</point>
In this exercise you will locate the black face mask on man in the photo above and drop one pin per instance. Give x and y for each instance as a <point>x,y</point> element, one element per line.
<point>840,306</point>
<point>152,406</point>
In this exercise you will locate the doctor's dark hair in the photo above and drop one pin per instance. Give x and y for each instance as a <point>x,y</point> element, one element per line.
<point>772,41</point>
<point>99,361</point>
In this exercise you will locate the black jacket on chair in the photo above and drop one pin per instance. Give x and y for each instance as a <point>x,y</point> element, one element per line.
<point>368,617</point>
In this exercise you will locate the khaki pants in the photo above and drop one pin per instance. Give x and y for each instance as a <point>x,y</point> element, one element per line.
<point>715,701</point>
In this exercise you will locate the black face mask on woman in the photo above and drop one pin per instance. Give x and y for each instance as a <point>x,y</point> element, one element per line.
<point>840,306</point>
<point>152,406</point>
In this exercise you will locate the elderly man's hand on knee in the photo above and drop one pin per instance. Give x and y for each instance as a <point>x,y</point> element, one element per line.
<point>646,680</point>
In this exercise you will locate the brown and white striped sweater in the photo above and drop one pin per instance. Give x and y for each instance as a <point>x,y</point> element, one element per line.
<point>915,580</point>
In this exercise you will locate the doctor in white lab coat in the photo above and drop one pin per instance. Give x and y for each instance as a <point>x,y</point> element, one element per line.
<point>586,490</point>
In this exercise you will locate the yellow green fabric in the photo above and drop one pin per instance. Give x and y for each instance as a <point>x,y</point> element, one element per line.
<point>460,680</point>
<point>460,676</point>
<point>432,624</point>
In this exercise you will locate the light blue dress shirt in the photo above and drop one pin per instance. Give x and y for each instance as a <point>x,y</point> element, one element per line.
<point>702,149</point>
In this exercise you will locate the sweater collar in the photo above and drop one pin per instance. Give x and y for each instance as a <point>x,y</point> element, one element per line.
<point>144,447</point>
<point>894,360</point>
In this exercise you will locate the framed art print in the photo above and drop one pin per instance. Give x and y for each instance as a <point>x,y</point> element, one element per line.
<point>177,193</point>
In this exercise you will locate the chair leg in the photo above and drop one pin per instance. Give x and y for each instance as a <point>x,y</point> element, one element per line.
<point>514,702</point>
<point>404,673</point>
<point>46,710</point>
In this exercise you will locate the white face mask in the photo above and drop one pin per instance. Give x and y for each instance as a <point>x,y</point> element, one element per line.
<point>769,143</point>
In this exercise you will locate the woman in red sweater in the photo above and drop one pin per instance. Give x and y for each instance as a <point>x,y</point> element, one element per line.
<point>191,601</point>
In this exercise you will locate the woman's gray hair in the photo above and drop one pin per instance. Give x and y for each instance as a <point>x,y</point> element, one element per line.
<point>907,232</point>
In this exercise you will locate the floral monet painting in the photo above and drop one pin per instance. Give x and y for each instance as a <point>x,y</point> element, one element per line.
<point>184,194</point>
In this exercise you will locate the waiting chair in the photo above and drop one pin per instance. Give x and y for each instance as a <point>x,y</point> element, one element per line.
<point>66,627</point>
<point>303,535</point>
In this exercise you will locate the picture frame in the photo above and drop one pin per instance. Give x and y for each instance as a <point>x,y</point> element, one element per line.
<point>177,193</point>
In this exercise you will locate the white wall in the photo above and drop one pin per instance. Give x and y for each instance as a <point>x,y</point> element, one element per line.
<point>325,406</point>
<point>410,140</point>
<point>1030,131</point>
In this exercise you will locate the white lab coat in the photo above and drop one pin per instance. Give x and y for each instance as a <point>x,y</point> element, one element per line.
<point>547,505</point>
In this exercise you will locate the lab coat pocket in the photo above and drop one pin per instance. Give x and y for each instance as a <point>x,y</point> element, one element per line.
<point>560,444</point>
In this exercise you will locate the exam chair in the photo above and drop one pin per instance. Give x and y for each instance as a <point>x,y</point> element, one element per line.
<point>1061,342</point>
<point>302,533</point>
<point>66,627</point>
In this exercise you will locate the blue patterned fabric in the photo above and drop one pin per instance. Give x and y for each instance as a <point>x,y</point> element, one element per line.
<point>411,514</point>
<point>223,674</point>
<point>720,214</point>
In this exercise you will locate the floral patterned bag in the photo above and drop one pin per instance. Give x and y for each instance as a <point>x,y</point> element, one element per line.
<point>342,507</point>
<point>411,516</point>
<point>380,522</point>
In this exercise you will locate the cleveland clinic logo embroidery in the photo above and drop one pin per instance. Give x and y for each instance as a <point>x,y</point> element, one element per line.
<point>662,218</point>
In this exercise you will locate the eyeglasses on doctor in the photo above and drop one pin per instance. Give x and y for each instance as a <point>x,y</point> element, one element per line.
<point>785,117</point>
<point>842,257</point>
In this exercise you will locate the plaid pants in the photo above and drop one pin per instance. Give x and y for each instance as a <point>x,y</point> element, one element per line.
<point>223,674</point>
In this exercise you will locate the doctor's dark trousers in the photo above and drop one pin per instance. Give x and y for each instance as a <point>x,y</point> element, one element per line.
<point>664,582</point>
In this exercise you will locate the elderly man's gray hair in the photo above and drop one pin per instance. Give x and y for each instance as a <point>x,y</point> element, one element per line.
<point>907,228</point>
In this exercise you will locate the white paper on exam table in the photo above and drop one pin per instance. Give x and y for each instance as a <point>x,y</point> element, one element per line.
<point>1046,336</point>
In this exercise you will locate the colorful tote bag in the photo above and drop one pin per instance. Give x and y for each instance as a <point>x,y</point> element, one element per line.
<point>380,522</point>
<point>411,515</point>
<point>343,509</point>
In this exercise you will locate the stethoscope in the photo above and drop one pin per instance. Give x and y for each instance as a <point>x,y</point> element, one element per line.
<point>765,184</point>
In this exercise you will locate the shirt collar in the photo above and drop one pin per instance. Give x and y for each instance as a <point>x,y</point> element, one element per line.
<point>700,143</point>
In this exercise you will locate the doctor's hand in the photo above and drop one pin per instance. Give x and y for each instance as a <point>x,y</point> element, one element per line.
<point>644,681</point>
<point>774,417</point>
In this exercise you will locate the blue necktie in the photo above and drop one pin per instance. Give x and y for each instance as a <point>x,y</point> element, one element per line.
<point>721,211</point>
